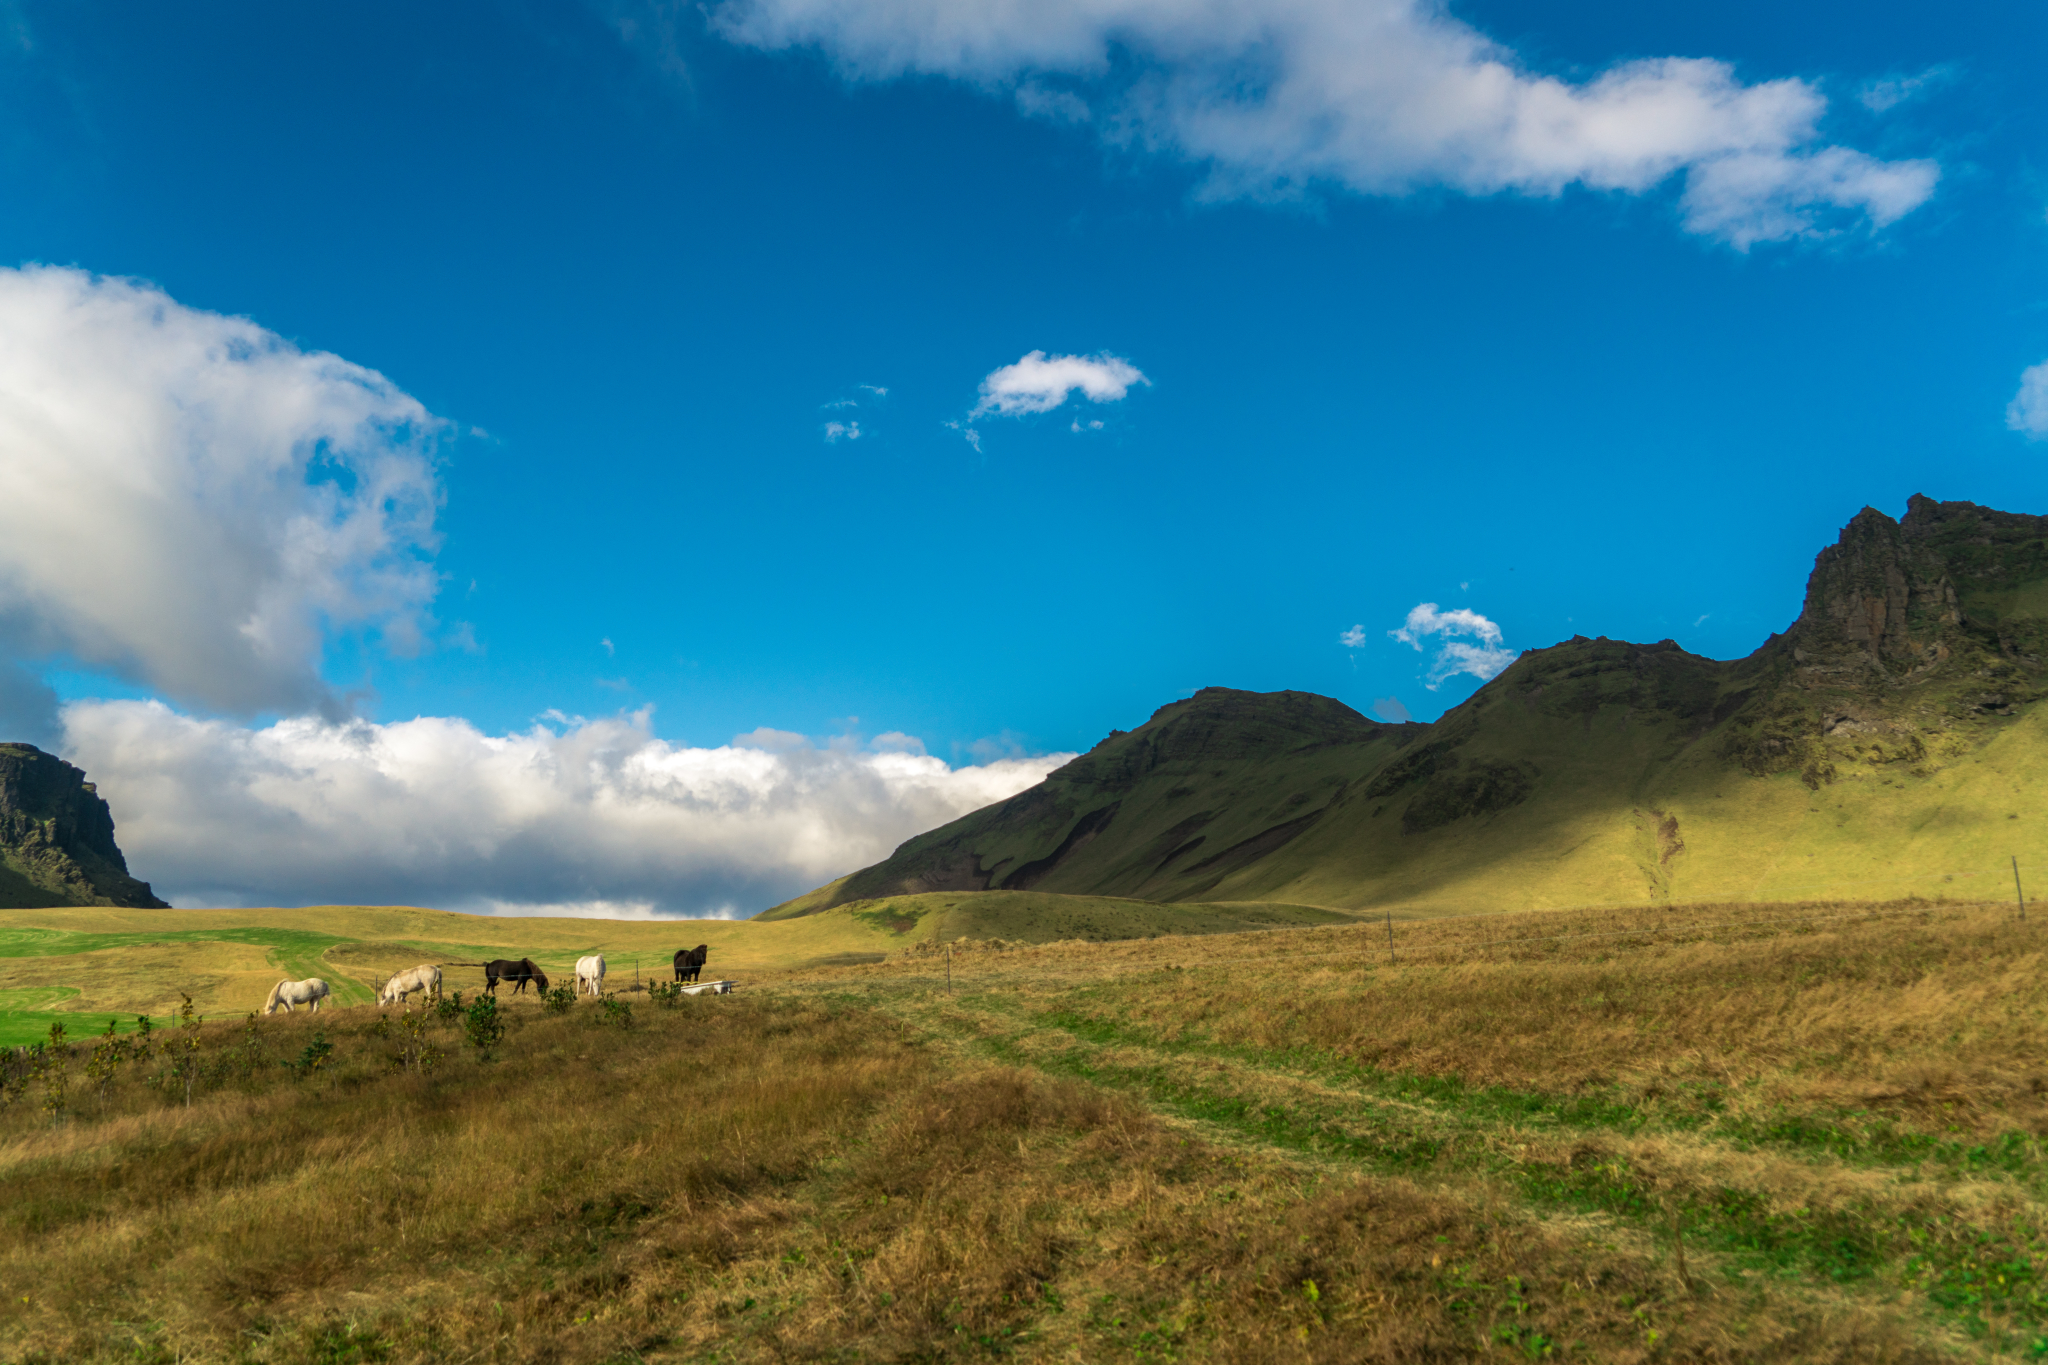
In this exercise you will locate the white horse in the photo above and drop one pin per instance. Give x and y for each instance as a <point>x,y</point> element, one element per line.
<point>424,979</point>
<point>590,973</point>
<point>309,993</point>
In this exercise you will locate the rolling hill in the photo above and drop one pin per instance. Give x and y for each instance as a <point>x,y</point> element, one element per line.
<point>1882,746</point>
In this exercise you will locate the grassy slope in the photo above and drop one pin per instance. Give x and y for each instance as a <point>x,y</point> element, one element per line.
<point>1880,747</point>
<point>1044,917</point>
<point>1590,834</point>
<point>93,964</point>
<point>1633,803</point>
<point>1251,1149</point>
<point>116,963</point>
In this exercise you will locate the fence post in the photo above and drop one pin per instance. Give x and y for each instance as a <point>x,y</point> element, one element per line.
<point>2016,889</point>
<point>1390,936</point>
<point>949,969</point>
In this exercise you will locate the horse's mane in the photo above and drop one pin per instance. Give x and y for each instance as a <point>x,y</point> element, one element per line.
<point>276,994</point>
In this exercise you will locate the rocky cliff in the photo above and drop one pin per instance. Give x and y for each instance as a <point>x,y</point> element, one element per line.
<point>57,838</point>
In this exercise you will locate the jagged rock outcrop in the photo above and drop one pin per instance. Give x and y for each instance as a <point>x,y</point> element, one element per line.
<point>57,838</point>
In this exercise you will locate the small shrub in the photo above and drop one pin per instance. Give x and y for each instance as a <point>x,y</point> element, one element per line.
<point>559,1000</point>
<point>106,1058</point>
<point>415,1053</point>
<point>56,1033</point>
<point>54,1076</point>
<point>312,1057</point>
<point>614,1011</point>
<point>667,994</point>
<point>448,1008</point>
<point>482,1026</point>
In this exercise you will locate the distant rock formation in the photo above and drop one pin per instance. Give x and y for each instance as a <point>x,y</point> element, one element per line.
<point>57,838</point>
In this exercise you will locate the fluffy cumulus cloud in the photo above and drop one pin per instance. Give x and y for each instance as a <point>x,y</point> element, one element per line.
<point>2028,410</point>
<point>594,817</point>
<point>1376,96</point>
<point>1040,383</point>
<point>1463,640</point>
<point>192,502</point>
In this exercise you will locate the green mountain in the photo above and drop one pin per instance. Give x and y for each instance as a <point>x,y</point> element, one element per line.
<point>1883,746</point>
<point>57,838</point>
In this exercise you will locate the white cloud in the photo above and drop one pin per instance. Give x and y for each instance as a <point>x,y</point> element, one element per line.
<point>1466,643</point>
<point>2028,410</point>
<point>1374,96</point>
<point>1881,96</point>
<point>585,817</point>
<point>1040,383</point>
<point>191,501</point>
<point>1390,709</point>
<point>1353,638</point>
<point>837,431</point>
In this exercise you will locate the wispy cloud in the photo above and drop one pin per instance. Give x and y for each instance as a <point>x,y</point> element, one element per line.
<point>1353,638</point>
<point>836,432</point>
<point>1372,96</point>
<point>1881,96</point>
<point>2028,411</point>
<point>1465,642</point>
<point>1389,709</point>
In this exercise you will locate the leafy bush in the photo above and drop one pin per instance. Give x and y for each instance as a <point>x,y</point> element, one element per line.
<point>666,994</point>
<point>449,1007</point>
<point>482,1026</point>
<point>559,1000</point>
<point>614,1011</point>
<point>415,1053</point>
<point>312,1057</point>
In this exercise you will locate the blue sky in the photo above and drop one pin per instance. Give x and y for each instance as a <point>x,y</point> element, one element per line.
<point>629,261</point>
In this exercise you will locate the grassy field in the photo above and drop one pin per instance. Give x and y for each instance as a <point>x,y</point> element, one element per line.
<point>92,965</point>
<point>1739,1132</point>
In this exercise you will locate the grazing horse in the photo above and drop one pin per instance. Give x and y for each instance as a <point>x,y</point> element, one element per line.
<point>425,979</point>
<point>285,994</point>
<point>690,961</point>
<point>590,973</point>
<point>522,971</point>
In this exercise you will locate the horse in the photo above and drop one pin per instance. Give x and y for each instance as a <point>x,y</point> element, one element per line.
<point>690,961</point>
<point>424,979</point>
<point>309,993</point>
<point>590,972</point>
<point>522,971</point>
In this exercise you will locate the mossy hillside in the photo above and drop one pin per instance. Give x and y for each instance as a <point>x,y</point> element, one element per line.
<point>1879,748</point>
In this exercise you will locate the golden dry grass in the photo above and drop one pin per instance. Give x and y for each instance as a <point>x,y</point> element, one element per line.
<point>1262,1147</point>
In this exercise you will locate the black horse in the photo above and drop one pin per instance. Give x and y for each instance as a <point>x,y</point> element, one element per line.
<point>690,961</point>
<point>522,971</point>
